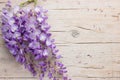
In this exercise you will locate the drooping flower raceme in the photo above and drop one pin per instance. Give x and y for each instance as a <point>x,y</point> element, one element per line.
<point>26,35</point>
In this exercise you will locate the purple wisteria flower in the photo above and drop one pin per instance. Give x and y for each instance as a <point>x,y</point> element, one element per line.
<point>26,34</point>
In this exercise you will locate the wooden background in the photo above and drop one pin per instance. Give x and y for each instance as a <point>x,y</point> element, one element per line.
<point>87,33</point>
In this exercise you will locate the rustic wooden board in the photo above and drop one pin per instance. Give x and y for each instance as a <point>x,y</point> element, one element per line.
<point>87,33</point>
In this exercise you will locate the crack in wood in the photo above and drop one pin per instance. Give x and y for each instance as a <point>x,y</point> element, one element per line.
<point>86,76</point>
<point>2,2</point>
<point>86,28</point>
<point>102,77</point>
<point>36,77</point>
<point>58,31</point>
<point>18,78</point>
<point>67,43</point>
<point>97,43</point>
<point>71,76</point>
<point>94,67</point>
<point>66,9</point>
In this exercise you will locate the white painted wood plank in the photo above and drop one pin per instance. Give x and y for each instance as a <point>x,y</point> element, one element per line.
<point>82,61</point>
<point>81,26</point>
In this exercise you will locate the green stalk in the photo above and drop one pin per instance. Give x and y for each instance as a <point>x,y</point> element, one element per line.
<point>35,2</point>
<point>28,2</point>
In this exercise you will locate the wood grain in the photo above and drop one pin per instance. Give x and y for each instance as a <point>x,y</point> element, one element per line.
<point>87,32</point>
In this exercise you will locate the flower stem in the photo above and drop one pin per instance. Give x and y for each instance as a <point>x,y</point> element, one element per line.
<point>35,2</point>
<point>28,2</point>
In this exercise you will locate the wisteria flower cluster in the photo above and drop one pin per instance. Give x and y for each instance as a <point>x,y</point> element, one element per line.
<point>26,35</point>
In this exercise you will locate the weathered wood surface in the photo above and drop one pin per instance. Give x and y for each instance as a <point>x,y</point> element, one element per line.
<point>87,33</point>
